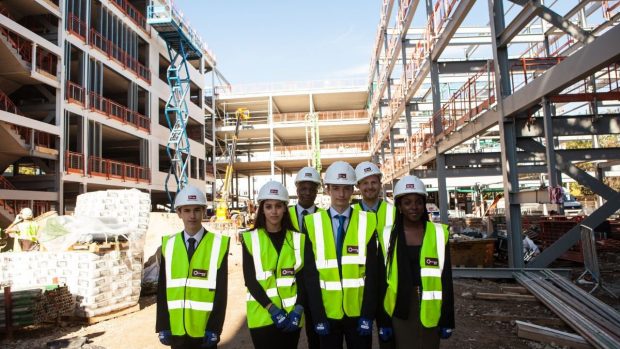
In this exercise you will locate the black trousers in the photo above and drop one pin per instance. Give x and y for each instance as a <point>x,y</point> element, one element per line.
<point>270,337</point>
<point>187,342</point>
<point>345,329</point>
<point>311,335</point>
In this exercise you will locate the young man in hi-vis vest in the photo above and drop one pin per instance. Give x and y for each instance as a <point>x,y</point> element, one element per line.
<point>193,279</point>
<point>419,293</point>
<point>341,265</point>
<point>368,178</point>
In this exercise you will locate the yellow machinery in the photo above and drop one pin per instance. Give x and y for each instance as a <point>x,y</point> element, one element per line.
<point>221,211</point>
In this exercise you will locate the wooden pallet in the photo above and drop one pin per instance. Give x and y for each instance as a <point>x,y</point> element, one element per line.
<point>101,247</point>
<point>103,317</point>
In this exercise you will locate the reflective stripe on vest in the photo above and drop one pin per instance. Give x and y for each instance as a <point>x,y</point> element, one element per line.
<point>274,272</point>
<point>432,259</point>
<point>190,285</point>
<point>341,295</point>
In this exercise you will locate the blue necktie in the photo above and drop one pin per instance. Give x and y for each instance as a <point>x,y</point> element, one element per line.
<point>340,236</point>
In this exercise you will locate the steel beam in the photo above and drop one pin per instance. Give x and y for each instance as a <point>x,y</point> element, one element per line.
<point>456,18</point>
<point>523,18</point>
<point>571,237</point>
<point>563,24</point>
<point>594,56</point>
<point>499,273</point>
<point>578,125</point>
<point>487,171</point>
<point>572,171</point>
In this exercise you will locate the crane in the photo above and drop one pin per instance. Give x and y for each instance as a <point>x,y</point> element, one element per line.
<point>221,212</point>
<point>183,44</point>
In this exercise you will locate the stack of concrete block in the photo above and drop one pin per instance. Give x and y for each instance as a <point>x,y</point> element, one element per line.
<point>102,282</point>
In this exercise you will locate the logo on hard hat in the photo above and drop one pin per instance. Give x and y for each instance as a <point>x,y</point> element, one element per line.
<point>273,191</point>
<point>307,174</point>
<point>410,186</point>
<point>191,197</point>
<point>342,175</point>
<point>367,169</point>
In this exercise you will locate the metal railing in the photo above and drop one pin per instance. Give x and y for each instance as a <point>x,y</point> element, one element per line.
<point>76,26</point>
<point>41,139</point>
<point>45,61</point>
<point>114,110</point>
<point>5,184</point>
<point>74,162</point>
<point>293,86</point>
<point>112,169</point>
<point>132,12</point>
<point>114,52</point>
<point>75,93</point>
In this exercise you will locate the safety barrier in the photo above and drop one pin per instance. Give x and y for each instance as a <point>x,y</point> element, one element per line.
<point>114,52</point>
<point>13,207</point>
<point>45,61</point>
<point>74,162</point>
<point>75,93</point>
<point>7,104</point>
<point>112,169</point>
<point>132,12</point>
<point>5,184</point>
<point>76,26</point>
<point>114,110</point>
<point>41,139</point>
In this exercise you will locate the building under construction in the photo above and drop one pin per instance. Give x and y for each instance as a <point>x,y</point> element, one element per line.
<point>459,92</point>
<point>84,89</point>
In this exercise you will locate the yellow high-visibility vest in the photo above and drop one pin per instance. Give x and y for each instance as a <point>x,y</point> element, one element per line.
<point>190,285</point>
<point>432,258</point>
<point>274,272</point>
<point>341,295</point>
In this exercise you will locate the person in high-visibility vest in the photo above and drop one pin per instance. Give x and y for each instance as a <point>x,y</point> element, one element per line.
<point>272,269</point>
<point>307,183</point>
<point>341,265</point>
<point>368,177</point>
<point>193,279</point>
<point>419,295</point>
<point>25,230</point>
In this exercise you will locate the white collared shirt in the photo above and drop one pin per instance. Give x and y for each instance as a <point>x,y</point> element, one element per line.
<point>198,236</point>
<point>299,210</point>
<point>336,223</point>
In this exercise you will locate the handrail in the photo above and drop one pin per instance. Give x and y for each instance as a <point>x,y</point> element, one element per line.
<point>116,53</point>
<point>45,60</point>
<point>112,169</point>
<point>75,93</point>
<point>74,162</point>
<point>5,184</point>
<point>119,112</point>
<point>41,139</point>
<point>13,206</point>
<point>7,104</point>
<point>76,26</point>
<point>132,12</point>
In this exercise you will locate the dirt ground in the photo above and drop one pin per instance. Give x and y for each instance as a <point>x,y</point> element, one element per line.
<point>137,330</point>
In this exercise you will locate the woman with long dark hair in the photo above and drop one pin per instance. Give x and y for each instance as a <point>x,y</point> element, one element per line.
<point>273,254</point>
<point>418,297</point>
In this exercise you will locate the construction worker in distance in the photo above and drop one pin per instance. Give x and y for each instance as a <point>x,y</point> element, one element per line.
<point>193,279</point>
<point>419,296</point>
<point>368,178</point>
<point>25,230</point>
<point>272,270</point>
<point>341,265</point>
<point>307,184</point>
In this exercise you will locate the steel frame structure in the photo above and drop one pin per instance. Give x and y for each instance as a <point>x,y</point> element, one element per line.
<point>522,97</point>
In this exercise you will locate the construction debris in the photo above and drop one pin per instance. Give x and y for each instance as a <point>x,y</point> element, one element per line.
<point>549,335</point>
<point>597,322</point>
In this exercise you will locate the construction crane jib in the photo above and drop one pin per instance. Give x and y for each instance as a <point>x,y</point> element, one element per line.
<point>183,44</point>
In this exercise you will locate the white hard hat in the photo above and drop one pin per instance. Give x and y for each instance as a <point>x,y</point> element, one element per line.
<point>190,195</point>
<point>366,169</point>
<point>340,172</point>
<point>308,174</point>
<point>273,190</point>
<point>409,185</point>
<point>26,213</point>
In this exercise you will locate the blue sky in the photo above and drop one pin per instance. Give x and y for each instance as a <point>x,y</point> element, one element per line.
<point>269,41</point>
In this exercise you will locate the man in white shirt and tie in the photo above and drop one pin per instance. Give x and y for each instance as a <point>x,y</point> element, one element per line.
<point>307,183</point>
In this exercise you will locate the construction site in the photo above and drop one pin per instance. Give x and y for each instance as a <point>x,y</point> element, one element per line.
<point>508,111</point>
